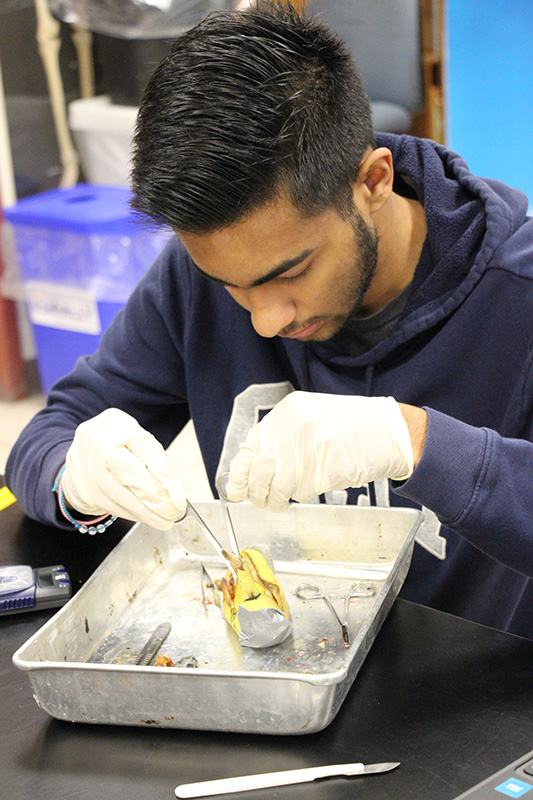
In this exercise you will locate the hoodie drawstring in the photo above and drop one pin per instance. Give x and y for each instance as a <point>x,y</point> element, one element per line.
<point>369,377</point>
<point>307,384</point>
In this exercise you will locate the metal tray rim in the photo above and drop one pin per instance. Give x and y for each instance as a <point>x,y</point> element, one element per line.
<point>380,600</point>
<point>321,679</point>
<point>313,697</point>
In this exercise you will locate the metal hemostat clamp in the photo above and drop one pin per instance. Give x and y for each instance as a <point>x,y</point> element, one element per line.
<point>310,591</point>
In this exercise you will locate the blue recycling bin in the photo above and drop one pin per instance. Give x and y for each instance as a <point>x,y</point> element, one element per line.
<point>81,252</point>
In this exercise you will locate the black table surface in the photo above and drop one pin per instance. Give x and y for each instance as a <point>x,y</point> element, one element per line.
<point>449,699</point>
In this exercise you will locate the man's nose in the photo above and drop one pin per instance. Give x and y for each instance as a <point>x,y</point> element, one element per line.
<point>269,309</point>
<point>271,312</point>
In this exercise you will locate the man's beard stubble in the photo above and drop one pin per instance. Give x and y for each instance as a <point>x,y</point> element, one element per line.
<point>357,282</point>
<point>363,270</point>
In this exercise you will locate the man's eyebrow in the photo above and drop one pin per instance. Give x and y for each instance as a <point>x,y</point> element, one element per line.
<point>209,277</point>
<point>280,269</point>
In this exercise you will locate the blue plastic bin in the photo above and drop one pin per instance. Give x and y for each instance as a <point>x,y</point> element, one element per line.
<point>81,252</point>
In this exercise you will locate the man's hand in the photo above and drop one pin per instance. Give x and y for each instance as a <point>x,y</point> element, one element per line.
<point>312,443</point>
<point>116,467</point>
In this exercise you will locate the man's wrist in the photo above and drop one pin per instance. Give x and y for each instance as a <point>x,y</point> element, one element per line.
<point>416,420</point>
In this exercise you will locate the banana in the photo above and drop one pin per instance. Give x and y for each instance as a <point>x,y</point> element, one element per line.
<point>255,606</point>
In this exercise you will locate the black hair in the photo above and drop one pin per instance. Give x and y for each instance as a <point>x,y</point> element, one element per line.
<point>249,105</point>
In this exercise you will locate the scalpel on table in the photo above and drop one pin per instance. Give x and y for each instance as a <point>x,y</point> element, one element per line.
<point>268,779</point>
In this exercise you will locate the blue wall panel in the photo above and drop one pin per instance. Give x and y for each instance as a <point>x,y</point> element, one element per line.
<point>490,88</point>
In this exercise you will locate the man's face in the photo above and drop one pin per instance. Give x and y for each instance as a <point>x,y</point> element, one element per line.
<point>299,277</point>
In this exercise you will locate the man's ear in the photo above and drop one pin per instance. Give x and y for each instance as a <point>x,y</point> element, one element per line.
<point>375,178</point>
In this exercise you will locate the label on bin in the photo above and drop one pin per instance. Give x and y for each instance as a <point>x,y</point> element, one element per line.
<point>63,307</point>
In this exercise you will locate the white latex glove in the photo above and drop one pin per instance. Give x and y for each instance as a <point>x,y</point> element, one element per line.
<point>312,443</point>
<point>115,467</point>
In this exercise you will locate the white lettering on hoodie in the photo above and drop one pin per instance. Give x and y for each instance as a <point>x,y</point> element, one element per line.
<point>260,397</point>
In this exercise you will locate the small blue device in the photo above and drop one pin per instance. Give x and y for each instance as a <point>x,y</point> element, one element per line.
<point>25,589</point>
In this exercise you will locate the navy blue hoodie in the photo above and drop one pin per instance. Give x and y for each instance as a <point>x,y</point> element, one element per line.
<point>462,349</point>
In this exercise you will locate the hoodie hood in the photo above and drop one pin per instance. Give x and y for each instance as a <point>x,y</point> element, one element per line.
<point>468,218</point>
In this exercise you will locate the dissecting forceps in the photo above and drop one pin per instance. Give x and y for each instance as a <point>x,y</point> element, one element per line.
<point>190,511</point>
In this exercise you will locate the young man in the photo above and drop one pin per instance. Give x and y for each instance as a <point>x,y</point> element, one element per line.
<point>373,293</point>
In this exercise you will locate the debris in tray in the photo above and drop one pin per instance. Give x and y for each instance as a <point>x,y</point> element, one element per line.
<point>363,589</point>
<point>187,661</point>
<point>184,661</point>
<point>210,584</point>
<point>163,661</point>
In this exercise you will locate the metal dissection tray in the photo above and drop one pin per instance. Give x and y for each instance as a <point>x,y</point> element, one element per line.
<point>81,663</point>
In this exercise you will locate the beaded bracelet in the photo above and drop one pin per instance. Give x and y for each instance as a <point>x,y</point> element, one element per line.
<point>91,526</point>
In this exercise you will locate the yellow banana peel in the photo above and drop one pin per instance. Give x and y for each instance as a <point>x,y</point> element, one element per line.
<point>255,605</point>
